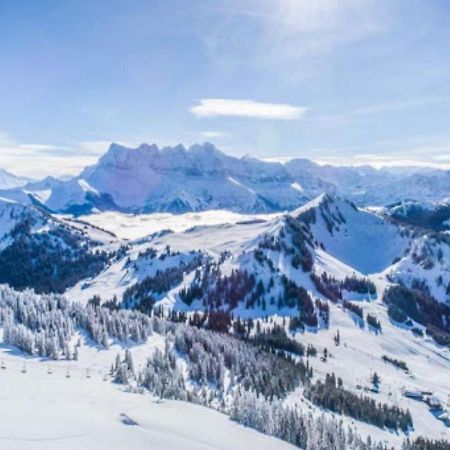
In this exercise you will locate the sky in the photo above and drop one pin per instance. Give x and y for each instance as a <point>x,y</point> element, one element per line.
<point>337,81</point>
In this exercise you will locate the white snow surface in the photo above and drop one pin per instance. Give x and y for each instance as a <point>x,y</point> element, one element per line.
<point>10,181</point>
<point>358,356</point>
<point>42,411</point>
<point>357,237</point>
<point>134,226</point>
<point>427,261</point>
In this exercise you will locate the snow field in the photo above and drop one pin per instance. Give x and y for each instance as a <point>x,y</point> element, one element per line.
<point>42,411</point>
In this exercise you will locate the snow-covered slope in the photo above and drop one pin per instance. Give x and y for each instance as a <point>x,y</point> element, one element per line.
<point>10,214</point>
<point>426,266</point>
<point>10,181</point>
<point>72,402</point>
<point>50,412</point>
<point>354,236</point>
<point>41,251</point>
<point>15,215</point>
<point>428,215</point>
<point>78,403</point>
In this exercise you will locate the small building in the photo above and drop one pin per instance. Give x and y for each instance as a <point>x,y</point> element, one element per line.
<point>433,402</point>
<point>416,395</point>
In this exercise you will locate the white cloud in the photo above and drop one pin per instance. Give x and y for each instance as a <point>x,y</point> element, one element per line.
<point>213,107</point>
<point>37,160</point>
<point>444,157</point>
<point>213,134</point>
<point>380,161</point>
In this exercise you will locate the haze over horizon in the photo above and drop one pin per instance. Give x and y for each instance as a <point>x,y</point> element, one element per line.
<point>357,82</point>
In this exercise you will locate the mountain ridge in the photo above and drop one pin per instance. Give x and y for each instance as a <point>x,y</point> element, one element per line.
<point>10,181</point>
<point>201,177</point>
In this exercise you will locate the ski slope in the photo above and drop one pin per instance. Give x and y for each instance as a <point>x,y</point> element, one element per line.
<point>43,411</point>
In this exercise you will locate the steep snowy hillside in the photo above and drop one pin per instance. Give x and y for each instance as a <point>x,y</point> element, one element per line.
<point>10,214</point>
<point>40,251</point>
<point>75,400</point>
<point>429,215</point>
<point>426,266</point>
<point>356,237</point>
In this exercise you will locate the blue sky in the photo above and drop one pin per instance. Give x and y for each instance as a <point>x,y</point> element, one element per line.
<point>343,81</point>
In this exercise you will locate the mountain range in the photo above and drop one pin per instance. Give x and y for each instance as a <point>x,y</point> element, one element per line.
<point>177,180</point>
<point>353,290</point>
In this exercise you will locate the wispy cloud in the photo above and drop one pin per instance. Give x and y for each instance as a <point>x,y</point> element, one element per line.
<point>344,118</point>
<point>213,134</point>
<point>292,34</point>
<point>399,105</point>
<point>36,160</point>
<point>214,107</point>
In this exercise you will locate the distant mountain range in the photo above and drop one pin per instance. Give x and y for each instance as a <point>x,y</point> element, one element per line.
<point>177,180</point>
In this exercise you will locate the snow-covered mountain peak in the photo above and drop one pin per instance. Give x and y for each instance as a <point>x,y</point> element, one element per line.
<point>149,148</point>
<point>179,179</point>
<point>345,232</point>
<point>10,181</point>
<point>125,158</point>
<point>206,151</point>
<point>324,203</point>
